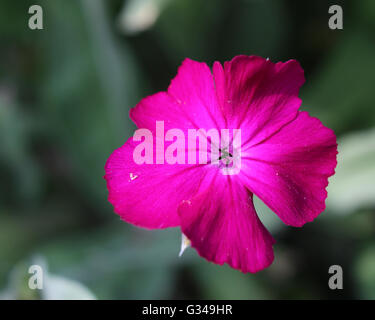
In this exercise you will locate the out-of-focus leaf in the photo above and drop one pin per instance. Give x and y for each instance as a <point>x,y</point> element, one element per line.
<point>270,220</point>
<point>13,21</point>
<point>366,11</point>
<point>115,63</point>
<point>89,85</point>
<point>353,185</point>
<point>54,287</point>
<point>189,28</point>
<point>112,261</point>
<point>17,287</point>
<point>341,93</point>
<point>140,15</point>
<point>223,282</point>
<point>32,226</point>
<point>243,34</point>
<point>15,134</point>
<point>61,288</point>
<point>206,31</point>
<point>365,272</point>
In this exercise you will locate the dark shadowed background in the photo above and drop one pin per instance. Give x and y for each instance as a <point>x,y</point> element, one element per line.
<point>65,93</point>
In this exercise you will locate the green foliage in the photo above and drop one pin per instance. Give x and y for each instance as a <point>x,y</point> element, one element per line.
<point>65,94</point>
<point>352,187</point>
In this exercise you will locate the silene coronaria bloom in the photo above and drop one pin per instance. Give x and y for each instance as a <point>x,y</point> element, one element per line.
<point>213,140</point>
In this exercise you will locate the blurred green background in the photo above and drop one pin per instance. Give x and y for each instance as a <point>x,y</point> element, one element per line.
<point>65,93</point>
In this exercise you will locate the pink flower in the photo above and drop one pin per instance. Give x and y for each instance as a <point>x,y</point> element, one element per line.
<point>286,159</point>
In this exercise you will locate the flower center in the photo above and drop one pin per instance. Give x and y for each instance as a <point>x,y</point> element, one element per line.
<point>225,156</point>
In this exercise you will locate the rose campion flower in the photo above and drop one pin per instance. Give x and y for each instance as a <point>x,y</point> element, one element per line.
<point>286,158</point>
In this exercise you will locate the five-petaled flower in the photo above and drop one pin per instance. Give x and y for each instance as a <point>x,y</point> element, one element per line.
<point>286,160</point>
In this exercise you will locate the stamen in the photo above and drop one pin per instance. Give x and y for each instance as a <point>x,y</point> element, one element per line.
<point>224,155</point>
